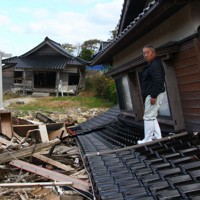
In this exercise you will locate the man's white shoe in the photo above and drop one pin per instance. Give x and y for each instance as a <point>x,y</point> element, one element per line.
<point>148,131</point>
<point>144,141</point>
<point>156,137</point>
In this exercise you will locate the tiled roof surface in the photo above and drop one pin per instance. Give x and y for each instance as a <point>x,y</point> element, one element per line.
<point>54,57</point>
<point>42,62</point>
<point>164,169</point>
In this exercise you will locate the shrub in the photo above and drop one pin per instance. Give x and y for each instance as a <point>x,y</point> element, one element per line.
<point>102,86</point>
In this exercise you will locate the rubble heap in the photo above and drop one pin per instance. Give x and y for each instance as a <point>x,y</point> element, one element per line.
<point>40,161</point>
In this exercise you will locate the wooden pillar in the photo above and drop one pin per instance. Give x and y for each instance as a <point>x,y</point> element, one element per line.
<point>57,82</point>
<point>24,82</point>
<point>81,83</point>
<point>173,96</point>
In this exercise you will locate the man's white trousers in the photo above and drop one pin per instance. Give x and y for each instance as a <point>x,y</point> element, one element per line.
<point>151,126</point>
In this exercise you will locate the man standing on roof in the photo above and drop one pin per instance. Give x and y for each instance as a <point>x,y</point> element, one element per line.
<point>152,88</point>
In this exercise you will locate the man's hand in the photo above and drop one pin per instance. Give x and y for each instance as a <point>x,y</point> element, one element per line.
<point>152,101</point>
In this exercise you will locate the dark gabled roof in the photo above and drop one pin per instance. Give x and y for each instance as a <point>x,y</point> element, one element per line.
<point>46,55</point>
<point>131,9</point>
<point>55,46</point>
<point>41,62</point>
<point>150,17</point>
<point>119,169</point>
<point>45,62</point>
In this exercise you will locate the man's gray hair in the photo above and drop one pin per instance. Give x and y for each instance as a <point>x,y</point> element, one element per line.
<point>150,47</point>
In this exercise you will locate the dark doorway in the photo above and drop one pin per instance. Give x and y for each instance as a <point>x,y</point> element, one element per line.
<point>73,79</point>
<point>44,79</point>
<point>18,77</point>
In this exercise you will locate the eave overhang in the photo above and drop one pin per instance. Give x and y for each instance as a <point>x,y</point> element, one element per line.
<point>156,13</point>
<point>165,53</point>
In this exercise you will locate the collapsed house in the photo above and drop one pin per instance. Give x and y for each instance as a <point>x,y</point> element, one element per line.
<point>168,168</point>
<point>47,68</point>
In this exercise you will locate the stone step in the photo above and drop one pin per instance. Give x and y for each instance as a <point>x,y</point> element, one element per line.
<point>40,94</point>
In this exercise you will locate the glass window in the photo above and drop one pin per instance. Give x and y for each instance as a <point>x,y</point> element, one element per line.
<point>164,108</point>
<point>127,95</point>
<point>118,83</point>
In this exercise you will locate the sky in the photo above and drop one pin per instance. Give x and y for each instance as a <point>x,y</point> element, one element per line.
<point>25,23</point>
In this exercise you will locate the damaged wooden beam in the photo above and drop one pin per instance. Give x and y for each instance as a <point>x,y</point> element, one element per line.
<point>53,162</point>
<point>77,183</point>
<point>27,151</point>
<point>43,133</point>
<point>47,131</point>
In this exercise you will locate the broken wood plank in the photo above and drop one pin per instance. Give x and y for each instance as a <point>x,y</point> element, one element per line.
<point>22,130</point>
<point>55,130</point>
<point>19,138</point>
<point>77,183</point>
<point>6,123</point>
<point>45,193</point>
<point>57,133</point>
<point>71,197</point>
<point>27,151</point>
<point>43,133</point>
<point>53,162</point>
<point>35,184</point>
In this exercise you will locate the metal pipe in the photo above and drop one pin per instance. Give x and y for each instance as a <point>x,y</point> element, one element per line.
<point>134,146</point>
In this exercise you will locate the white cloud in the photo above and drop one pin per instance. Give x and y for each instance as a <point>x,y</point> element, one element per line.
<point>75,26</point>
<point>35,12</point>
<point>3,20</point>
<point>84,2</point>
<point>66,27</point>
<point>106,13</point>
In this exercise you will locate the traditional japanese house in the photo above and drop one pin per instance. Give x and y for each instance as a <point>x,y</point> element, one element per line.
<point>168,168</point>
<point>46,68</point>
<point>172,27</point>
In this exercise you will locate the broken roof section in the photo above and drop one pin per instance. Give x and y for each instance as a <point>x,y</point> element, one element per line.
<point>168,168</point>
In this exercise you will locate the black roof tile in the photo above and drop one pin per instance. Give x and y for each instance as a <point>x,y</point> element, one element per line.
<point>54,57</point>
<point>167,169</point>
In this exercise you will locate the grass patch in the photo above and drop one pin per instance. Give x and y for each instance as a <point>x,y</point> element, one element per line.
<point>60,104</point>
<point>10,96</point>
<point>83,101</point>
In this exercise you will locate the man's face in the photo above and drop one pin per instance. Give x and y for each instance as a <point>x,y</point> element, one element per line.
<point>148,54</point>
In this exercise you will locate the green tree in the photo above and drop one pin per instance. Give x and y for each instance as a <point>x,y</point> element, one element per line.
<point>86,54</point>
<point>69,47</point>
<point>88,48</point>
<point>92,44</point>
<point>113,34</point>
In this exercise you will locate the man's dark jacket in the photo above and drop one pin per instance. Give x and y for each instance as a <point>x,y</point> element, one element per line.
<point>153,79</point>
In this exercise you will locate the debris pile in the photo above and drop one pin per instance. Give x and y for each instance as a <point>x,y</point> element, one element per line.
<point>72,115</point>
<point>40,161</point>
